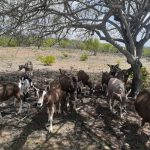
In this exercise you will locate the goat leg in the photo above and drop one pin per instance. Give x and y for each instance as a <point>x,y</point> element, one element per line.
<point>121,115</point>
<point>110,101</point>
<point>51,113</point>
<point>113,105</point>
<point>20,108</point>
<point>1,115</point>
<point>14,102</point>
<point>59,108</point>
<point>29,106</point>
<point>48,114</point>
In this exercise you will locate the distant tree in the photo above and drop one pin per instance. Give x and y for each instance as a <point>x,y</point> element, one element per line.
<point>115,21</point>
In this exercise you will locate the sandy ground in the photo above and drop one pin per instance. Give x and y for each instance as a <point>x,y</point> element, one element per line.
<point>93,127</point>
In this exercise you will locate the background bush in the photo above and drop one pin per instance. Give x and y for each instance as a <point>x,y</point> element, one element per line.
<point>65,43</point>
<point>47,60</point>
<point>83,57</point>
<point>48,42</point>
<point>145,78</point>
<point>65,55</point>
<point>91,44</point>
<point>146,51</point>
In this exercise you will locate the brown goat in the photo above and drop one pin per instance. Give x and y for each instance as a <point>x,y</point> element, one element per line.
<point>53,98</point>
<point>114,69</point>
<point>105,79</point>
<point>85,79</point>
<point>123,75</point>
<point>68,84</point>
<point>8,90</point>
<point>142,106</point>
<point>28,67</point>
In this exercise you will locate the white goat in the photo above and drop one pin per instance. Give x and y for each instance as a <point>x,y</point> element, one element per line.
<point>116,90</point>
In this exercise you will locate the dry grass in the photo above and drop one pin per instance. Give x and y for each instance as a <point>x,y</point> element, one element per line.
<point>95,64</point>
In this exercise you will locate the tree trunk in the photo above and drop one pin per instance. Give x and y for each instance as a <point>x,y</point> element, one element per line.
<point>137,78</point>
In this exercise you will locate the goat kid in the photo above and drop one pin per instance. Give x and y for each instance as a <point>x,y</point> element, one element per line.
<point>28,67</point>
<point>116,90</point>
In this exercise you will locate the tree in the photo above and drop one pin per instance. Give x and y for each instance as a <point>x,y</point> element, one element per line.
<point>115,21</point>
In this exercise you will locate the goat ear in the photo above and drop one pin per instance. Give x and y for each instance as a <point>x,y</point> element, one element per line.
<point>108,65</point>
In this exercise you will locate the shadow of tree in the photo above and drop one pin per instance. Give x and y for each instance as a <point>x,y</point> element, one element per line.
<point>37,123</point>
<point>81,134</point>
<point>103,112</point>
<point>135,141</point>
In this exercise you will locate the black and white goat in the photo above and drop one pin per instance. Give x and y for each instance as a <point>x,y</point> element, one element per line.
<point>25,84</point>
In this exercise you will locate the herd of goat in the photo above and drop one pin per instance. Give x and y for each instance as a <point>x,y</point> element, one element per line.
<point>62,93</point>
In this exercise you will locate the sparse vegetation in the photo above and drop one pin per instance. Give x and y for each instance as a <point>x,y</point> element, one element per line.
<point>65,43</point>
<point>145,77</point>
<point>83,57</point>
<point>146,51</point>
<point>65,55</point>
<point>42,76</point>
<point>91,44</point>
<point>48,42</point>
<point>47,60</point>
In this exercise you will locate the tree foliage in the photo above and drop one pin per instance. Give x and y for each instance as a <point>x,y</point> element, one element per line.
<point>118,21</point>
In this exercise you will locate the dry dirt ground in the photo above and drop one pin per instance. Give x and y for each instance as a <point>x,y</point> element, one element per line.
<point>93,127</point>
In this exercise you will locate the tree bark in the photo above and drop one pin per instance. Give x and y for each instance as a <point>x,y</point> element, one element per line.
<point>137,78</point>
